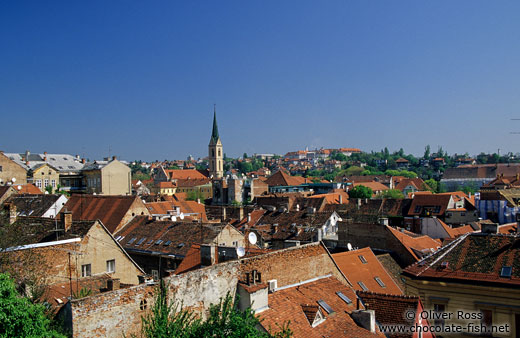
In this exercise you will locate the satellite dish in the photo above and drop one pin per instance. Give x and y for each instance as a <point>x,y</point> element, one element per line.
<point>13,179</point>
<point>252,238</point>
<point>349,247</point>
<point>181,215</point>
<point>241,251</point>
<point>19,187</point>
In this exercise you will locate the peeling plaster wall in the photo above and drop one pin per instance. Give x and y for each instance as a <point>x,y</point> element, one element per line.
<point>113,313</point>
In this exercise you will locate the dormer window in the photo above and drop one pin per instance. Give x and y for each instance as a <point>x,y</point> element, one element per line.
<point>313,314</point>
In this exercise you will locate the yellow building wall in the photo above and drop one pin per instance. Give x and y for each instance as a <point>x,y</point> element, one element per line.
<point>504,303</point>
<point>97,247</point>
<point>116,179</point>
<point>43,175</point>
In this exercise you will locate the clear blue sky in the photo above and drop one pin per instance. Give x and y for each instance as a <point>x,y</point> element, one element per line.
<point>142,76</point>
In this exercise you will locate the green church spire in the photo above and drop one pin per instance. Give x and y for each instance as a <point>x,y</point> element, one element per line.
<point>214,134</point>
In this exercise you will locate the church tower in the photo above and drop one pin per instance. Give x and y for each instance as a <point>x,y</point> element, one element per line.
<point>216,156</point>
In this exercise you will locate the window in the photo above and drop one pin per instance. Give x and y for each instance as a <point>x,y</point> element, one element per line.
<point>440,309</point>
<point>85,270</point>
<point>53,183</point>
<point>380,282</point>
<point>0,168</point>
<point>325,306</point>
<point>345,298</point>
<point>506,271</point>
<point>132,240</point>
<point>362,259</point>
<point>155,274</point>
<point>143,305</point>
<point>417,209</point>
<point>487,321</point>
<point>39,183</point>
<point>111,265</point>
<point>139,242</point>
<point>463,214</point>
<point>46,182</point>
<point>363,286</point>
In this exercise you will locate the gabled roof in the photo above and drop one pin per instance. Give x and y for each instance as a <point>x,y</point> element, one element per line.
<point>286,306</point>
<point>109,209</point>
<point>32,205</point>
<point>455,232</point>
<point>375,186</point>
<point>281,178</point>
<point>417,246</point>
<point>363,266</point>
<point>32,230</point>
<point>192,182</point>
<point>173,238</point>
<point>184,174</point>
<point>473,258</point>
<point>302,217</point>
<point>27,189</point>
<point>390,309</point>
<point>437,202</point>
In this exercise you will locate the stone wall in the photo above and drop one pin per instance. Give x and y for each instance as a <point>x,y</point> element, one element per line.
<point>10,169</point>
<point>113,313</point>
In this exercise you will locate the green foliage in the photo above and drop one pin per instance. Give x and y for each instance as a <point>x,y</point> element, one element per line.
<point>48,189</point>
<point>194,195</point>
<point>353,170</point>
<point>173,167</point>
<point>338,156</point>
<point>82,293</point>
<point>224,320</point>
<point>360,192</point>
<point>432,185</point>
<point>19,317</point>
<point>235,203</point>
<point>391,193</point>
<point>405,173</point>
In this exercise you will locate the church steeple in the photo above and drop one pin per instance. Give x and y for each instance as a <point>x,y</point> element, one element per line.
<point>216,154</point>
<point>214,135</point>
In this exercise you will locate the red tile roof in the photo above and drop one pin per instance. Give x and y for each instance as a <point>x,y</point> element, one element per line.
<point>437,201</point>
<point>413,244</point>
<point>352,266</point>
<point>184,174</point>
<point>472,258</point>
<point>27,189</point>
<point>109,209</point>
<point>391,309</point>
<point>281,178</point>
<point>286,306</point>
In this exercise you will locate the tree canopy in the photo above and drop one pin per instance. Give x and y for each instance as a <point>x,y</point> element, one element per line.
<point>360,192</point>
<point>19,317</point>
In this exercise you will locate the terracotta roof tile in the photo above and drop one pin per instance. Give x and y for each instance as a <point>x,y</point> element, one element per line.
<point>286,306</point>
<point>473,258</point>
<point>363,266</point>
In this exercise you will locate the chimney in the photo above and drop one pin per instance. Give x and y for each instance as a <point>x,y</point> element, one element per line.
<point>66,219</point>
<point>489,228</point>
<point>113,158</point>
<point>365,318</point>
<point>248,217</point>
<point>340,199</point>
<point>27,153</point>
<point>83,160</point>
<point>11,210</point>
<point>113,284</point>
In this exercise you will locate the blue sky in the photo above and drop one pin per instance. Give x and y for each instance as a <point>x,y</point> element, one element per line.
<point>141,77</point>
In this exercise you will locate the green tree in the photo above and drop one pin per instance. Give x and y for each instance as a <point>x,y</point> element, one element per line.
<point>427,152</point>
<point>19,317</point>
<point>48,189</point>
<point>224,320</point>
<point>360,192</point>
<point>432,185</point>
<point>391,194</point>
<point>194,195</point>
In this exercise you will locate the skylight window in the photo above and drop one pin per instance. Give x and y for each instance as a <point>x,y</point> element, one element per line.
<point>167,243</point>
<point>120,238</point>
<point>380,282</point>
<point>159,241</point>
<point>180,245</point>
<point>362,259</point>
<point>132,240</point>
<point>363,286</point>
<point>345,298</point>
<point>140,241</point>
<point>325,306</point>
<point>506,271</point>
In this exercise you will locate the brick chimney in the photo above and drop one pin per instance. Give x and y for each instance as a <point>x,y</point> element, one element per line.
<point>66,219</point>
<point>10,208</point>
